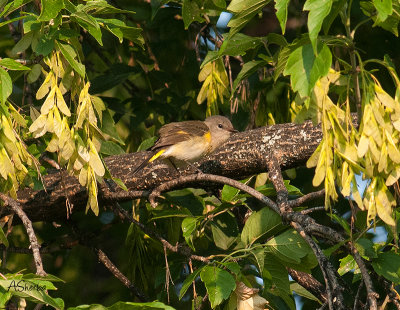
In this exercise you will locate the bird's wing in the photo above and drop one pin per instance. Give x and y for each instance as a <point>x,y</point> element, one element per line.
<point>173,133</point>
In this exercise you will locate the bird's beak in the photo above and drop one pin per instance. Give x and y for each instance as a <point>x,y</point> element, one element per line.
<point>233,130</point>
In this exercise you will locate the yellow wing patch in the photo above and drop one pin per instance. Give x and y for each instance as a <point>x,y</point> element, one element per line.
<point>159,153</point>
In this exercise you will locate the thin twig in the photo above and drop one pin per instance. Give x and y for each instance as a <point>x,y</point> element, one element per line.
<point>311,210</point>
<point>15,206</point>
<point>86,239</point>
<point>103,258</point>
<point>372,295</point>
<point>306,198</point>
<point>357,298</point>
<point>126,195</point>
<point>201,177</point>
<point>183,250</point>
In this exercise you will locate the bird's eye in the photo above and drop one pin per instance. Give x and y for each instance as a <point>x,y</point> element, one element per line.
<point>220,126</point>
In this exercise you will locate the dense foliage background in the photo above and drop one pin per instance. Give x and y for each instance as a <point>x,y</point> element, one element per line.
<point>82,80</point>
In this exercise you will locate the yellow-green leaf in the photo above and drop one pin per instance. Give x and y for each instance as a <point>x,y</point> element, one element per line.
<point>7,130</point>
<point>383,97</point>
<point>320,170</point>
<point>44,88</point>
<point>83,175</point>
<point>362,146</point>
<point>95,162</point>
<point>6,166</point>
<point>38,127</point>
<point>61,103</point>
<point>49,102</point>
<point>393,176</point>
<point>383,158</point>
<point>313,160</point>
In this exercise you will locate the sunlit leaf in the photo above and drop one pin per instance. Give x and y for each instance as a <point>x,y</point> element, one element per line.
<point>219,284</point>
<point>305,68</point>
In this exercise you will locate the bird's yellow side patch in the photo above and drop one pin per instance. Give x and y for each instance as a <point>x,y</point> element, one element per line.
<point>159,153</point>
<point>182,132</point>
<point>207,136</point>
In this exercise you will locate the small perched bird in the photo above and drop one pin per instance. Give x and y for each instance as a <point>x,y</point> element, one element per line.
<point>190,140</point>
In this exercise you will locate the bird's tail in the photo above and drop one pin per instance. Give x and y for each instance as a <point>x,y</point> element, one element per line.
<point>144,163</point>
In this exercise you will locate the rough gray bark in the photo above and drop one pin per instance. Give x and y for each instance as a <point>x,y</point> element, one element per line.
<point>246,153</point>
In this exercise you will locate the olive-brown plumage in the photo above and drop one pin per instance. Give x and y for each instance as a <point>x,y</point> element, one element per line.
<point>190,140</point>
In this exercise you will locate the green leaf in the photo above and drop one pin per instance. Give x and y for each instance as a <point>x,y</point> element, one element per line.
<point>89,23</point>
<point>319,9</point>
<point>366,248</point>
<point>260,223</point>
<point>239,44</point>
<point>3,237</point>
<point>32,23</point>
<point>188,282</point>
<point>305,69</point>
<point>224,230</point>
<point>11,20</point>
<point>115,76</point>
<point>5,85</point>
<point>36,291</point>
<point>232,266</point>
<point>156,5</point>
<point>4,297</point>
<point>268,189</point>
<point>139,306</point>
<point>102,7</point>
<point>70,54</point>
<point>291,248</point>
<point>191,12</point>
<point>384,9</point>
<point>133,34</point>
<point>388,265</point>
<point>301,291</point>
<point>188,227</point>
<point>219,284</point>
<point>259,257</point>
<point>248,69</point>
<point>108,126</point>
<point>34,74</point>
<point>111,148</point>
<point>244,11</point>
<point>229,193</point>
<point>162,214</point>
<point>12,6</point>
<point>277,274</point>
<point>146,144</point>
<point>186,198</point>
<point>18,118</point>
<point>11,64</point>
<point>281,7</point>
<point>347,264</point>
<point>22,44</point>
<point>50,9</point>
<point>42,43</point>
<point>121,305</point>
<point>337,6</point>
<point>114,26</point>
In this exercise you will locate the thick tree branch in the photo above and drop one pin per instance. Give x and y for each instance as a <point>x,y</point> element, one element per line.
<point>309,283</point>
<point>245,154</point>
<point>333,289</point>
